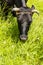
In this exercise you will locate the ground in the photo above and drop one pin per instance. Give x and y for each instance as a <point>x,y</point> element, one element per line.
<point>16,52</point>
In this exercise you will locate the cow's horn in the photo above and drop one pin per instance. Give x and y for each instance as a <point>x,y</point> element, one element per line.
<point>15,9</point>
<point>35,11</point>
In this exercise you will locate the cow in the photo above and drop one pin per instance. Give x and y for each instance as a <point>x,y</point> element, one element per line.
<point>24,19</point>
<point>24,15</point>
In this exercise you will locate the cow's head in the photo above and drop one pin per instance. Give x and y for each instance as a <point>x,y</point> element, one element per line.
<point>24,18</point>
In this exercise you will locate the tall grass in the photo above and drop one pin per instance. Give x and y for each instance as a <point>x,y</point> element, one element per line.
<point>16,52</point>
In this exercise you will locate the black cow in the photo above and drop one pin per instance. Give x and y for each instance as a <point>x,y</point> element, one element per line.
<point>24,19</point>
<point>23,14</point>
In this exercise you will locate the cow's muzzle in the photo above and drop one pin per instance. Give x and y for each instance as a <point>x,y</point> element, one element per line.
<point>23,37</point>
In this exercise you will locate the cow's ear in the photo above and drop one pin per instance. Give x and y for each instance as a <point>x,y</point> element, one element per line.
<point>33,7</point>
<point>34,10</point>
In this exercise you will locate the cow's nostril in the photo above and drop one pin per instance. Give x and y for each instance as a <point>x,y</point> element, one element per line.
<point>23,37</point>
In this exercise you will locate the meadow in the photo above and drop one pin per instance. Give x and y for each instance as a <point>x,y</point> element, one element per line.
<point>16,52</point>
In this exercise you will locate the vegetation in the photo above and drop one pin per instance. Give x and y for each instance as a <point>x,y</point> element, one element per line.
<point>16,52</point>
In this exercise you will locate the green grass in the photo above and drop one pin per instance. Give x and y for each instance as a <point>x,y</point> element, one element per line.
<point>16,52</point>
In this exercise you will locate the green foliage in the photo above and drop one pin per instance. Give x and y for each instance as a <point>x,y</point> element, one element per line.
<point>16,52</point>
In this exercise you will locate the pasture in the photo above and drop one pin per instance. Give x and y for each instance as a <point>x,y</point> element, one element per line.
<point>16,52</point>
